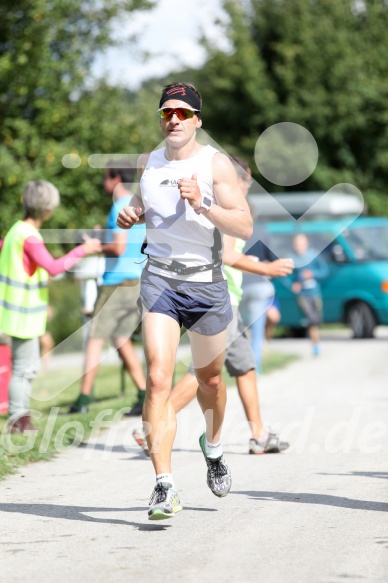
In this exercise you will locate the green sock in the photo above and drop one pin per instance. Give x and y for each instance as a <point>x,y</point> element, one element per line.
<point>83,400</point>
<point>141,394</point>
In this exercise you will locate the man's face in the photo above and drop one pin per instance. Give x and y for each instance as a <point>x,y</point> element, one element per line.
<point>300,244</point>
<point>110,183</point>
<point>178,132</point>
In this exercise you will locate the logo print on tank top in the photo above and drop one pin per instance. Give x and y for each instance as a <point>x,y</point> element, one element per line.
<point>169,183</point>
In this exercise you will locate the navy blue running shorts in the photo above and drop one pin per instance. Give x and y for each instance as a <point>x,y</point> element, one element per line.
<point>202,307</point>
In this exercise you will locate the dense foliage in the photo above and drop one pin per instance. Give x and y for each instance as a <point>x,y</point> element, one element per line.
<point>46,110</point>
<point>319,63</point>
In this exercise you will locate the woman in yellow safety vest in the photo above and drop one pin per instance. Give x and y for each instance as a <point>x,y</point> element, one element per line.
<point>25,265</point>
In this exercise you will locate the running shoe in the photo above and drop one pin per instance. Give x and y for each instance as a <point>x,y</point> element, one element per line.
<point>316,350</point>
<point>135,411</point>
<point>219,477</point>
<point>164,502</point>
<point>272,445</point>
<point>140,438</point>
<point>20,425</point>
<point>80,405</point>
<point>77,409</point>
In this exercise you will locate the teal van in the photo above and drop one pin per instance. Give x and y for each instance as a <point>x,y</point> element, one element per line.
<point>356,251</point>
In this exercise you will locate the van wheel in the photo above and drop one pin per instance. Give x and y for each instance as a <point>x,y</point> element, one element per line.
<point>361,320</point>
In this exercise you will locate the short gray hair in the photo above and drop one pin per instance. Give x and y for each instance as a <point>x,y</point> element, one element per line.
<point>241,166</point>
<point>39,196</point>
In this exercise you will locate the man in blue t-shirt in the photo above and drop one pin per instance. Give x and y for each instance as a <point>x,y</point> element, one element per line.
<point>116,313</point>
<point>310,268</point>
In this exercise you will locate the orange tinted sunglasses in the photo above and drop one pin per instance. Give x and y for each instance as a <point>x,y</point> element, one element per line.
<point>181,112</point>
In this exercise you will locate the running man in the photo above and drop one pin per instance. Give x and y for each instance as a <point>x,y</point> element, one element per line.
<point>239,360</point>
<point>188,195</point>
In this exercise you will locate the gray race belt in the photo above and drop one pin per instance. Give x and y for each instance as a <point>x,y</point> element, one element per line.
<point>181,269</point>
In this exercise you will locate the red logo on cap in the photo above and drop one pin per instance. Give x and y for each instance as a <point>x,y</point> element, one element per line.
<point>176,90</point>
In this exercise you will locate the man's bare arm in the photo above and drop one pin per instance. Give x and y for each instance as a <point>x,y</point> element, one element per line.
<point>250,264</point>
<point>133,214</point>
<point>231,214</point>
<point>116,247</point>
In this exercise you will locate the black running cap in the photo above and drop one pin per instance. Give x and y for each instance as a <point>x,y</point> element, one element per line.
<point>182,94</point>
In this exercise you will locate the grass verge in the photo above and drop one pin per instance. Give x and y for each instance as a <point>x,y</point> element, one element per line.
<point>57,431</point>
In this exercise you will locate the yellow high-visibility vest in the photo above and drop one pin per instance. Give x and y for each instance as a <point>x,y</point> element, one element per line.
<point>23,297</point>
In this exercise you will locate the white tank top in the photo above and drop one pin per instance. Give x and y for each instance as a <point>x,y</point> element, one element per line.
<point>174,230</point>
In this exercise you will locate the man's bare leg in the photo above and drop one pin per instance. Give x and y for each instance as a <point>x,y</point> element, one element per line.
<point>208,358</point>
<point>131,361</point>
<point>93,352</point>
<point>272,320</point>
<point>161,336</point>
<point>247,388</point>
<point>313,332</point>
<point>184,391</point>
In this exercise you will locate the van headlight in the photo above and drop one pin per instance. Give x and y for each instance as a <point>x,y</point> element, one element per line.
<point>384,286</point>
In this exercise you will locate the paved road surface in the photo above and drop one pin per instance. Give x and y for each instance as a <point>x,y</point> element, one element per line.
<point>316,514</point>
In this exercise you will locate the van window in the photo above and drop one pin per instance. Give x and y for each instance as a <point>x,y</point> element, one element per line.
<point>368,243</point>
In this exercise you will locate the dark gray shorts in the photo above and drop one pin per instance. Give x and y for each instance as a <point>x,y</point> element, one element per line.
<point>311,307</point>
<point>239,357</point>
<point>202,307</point>
<point>116,314</point>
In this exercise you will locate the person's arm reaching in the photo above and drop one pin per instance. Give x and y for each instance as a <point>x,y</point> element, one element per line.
<point>277,268</point>
<point>35,251</point>
<point>320,268</point>
<point>116,247</point>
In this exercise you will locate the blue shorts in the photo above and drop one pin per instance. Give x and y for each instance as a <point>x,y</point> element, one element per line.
<point>199,307</point>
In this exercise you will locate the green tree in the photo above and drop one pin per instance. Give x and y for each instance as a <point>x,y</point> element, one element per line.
<point>46,49</point>
<point>322,64</point>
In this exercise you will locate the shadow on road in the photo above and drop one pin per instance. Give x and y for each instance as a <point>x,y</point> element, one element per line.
<point>321,499</point>
<point>383,475</point>
<point>77,513</point>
